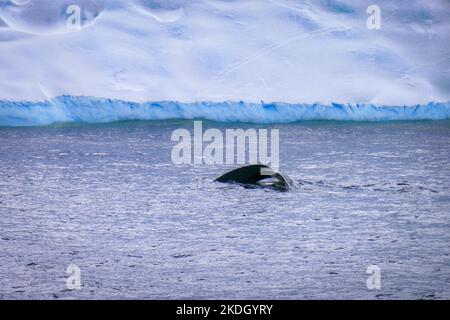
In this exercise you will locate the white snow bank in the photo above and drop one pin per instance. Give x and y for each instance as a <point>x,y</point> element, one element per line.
<point>216,50</point>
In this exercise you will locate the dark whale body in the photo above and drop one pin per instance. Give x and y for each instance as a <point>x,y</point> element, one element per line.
<point>257,175</point>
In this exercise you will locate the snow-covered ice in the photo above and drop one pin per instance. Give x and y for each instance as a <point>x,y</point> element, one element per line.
<point>215,50</point>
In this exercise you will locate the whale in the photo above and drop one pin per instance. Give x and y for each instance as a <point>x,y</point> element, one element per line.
<point>257,175</point>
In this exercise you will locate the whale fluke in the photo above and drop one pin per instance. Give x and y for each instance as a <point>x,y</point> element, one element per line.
<point>257,175</point>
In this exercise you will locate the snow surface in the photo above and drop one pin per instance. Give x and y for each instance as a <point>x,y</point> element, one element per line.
<point>205,50</point>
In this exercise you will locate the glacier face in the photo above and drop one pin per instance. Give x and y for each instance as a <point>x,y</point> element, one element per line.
<point>94,110</point>
<point>215,50</point>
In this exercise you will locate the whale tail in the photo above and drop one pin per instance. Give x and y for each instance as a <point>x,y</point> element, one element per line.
<point>257,175</point>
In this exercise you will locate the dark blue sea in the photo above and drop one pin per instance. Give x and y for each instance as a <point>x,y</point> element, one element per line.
<point>108,198</point>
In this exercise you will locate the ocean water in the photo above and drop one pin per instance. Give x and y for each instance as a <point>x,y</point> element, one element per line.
<point>107,198</point>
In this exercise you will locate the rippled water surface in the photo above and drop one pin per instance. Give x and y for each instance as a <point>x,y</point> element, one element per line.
<point>108,199</point>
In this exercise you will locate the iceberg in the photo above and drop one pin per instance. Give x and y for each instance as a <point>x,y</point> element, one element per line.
<point>96,110</point>
<point>307,55</point>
